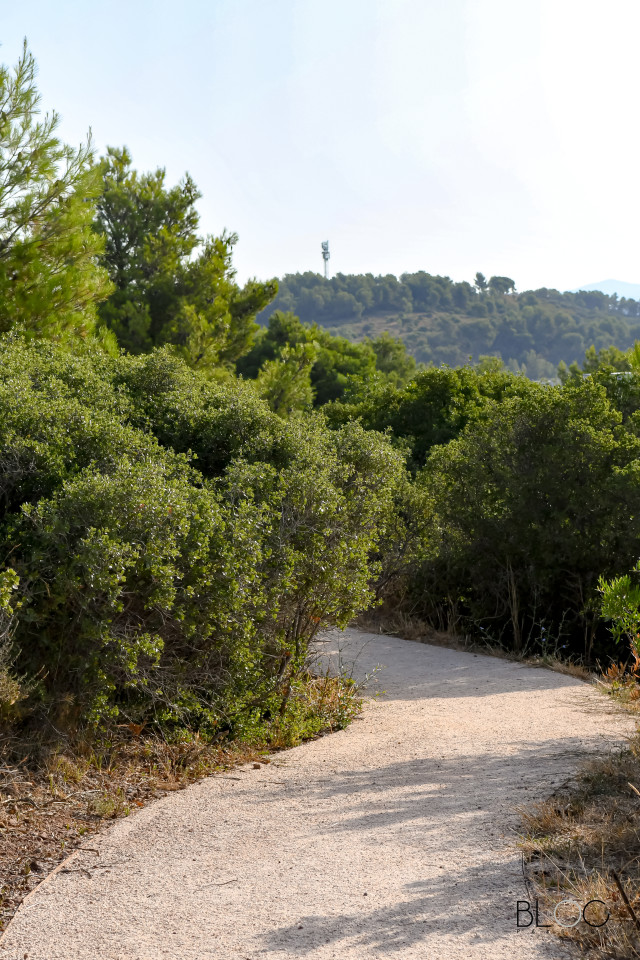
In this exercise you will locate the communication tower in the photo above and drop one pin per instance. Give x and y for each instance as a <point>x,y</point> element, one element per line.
<point>325,256</point>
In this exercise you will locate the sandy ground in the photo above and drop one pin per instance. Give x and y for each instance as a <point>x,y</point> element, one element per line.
<point>393,838</point>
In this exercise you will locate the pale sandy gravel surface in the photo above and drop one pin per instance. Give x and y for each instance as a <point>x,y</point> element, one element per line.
<point>394,838</point>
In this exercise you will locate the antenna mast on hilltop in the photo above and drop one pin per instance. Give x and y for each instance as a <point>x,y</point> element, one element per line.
<point>325,255</point>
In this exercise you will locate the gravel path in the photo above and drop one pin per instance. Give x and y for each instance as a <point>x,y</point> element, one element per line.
<point>392,838</point>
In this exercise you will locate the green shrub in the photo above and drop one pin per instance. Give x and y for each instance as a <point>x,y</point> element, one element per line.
<point>433,408</point>
<point>188,412</point>
<point>533,501</point>
<point>10,688</point>
<point>129,583</point>
<point>621,607</point>
<point>178,545</point>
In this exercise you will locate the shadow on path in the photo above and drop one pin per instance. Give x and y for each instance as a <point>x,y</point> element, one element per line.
<point>469,888</point>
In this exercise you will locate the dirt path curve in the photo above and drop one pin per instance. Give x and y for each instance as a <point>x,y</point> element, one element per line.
<point>392,838</point>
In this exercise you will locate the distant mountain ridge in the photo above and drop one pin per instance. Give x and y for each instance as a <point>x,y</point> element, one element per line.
<point>445,322</point>
<point>611,287</point>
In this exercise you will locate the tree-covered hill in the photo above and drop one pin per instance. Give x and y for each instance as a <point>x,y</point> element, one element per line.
<point>442,321</point>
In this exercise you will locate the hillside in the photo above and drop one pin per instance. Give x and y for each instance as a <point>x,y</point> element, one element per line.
<point>442,321</point>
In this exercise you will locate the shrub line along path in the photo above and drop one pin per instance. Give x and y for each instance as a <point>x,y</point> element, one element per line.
<point>395,837</point>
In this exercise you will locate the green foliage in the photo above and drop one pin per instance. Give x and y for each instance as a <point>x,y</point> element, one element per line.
<point>10,689</point>
<point>285,383</point>
<point>178,545</point>
<point>188,412</point>
<point>488,364</point>
<point>49,278</point>
<point>401,547</point>
<point>501,285</point>
<point>171,286</point>
<point>617,371</point>
<point>531,503</point>
<point>442,321</point>
<point>621,606</point>
<point>299,465</point>
<point>432,409</point>
<point>608,359</point>
<point>337,363</point>
<point>392,359</point>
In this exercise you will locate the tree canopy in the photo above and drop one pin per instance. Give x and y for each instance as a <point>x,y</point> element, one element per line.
<point>50,277</point>
<point>338,363</point>
<point>171,286</point>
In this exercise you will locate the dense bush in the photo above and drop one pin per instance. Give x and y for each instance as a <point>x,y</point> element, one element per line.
<point>177,545</point>
<point>10,688</point>
<point>533,501</point>
<point>337,362</point>
<point>432,409</point>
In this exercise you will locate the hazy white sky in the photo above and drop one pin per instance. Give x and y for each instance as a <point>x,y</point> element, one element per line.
<point>444,135</point>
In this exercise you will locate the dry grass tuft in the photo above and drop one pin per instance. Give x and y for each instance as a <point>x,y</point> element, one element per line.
<point>579,840</point>
<point>623,684</point>
<point>408,627</point>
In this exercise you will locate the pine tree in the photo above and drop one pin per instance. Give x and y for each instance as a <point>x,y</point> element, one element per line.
<point>285,382</point>
<point>50,278</point>
<point>171,285</point>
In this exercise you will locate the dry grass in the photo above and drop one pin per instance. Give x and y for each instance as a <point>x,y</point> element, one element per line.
<point>398,624</point>
<point>584,837</point>
<point>623,684</point>
<point>55,795</point>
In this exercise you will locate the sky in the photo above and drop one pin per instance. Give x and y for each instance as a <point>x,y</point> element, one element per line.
<point>442,135</point>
